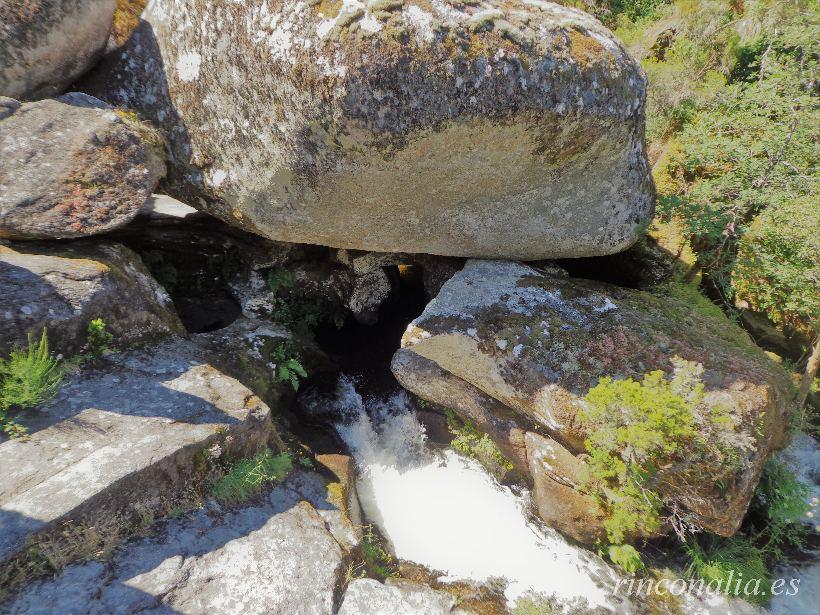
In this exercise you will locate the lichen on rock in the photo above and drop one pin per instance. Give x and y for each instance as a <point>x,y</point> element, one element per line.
<point>495,129</point>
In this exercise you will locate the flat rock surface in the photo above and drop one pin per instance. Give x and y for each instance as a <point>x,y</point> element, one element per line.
<point>73,167</point>
<point>506,129</point>
<point>274,557</point>
<point>396,597</point>
<point>121,435</point>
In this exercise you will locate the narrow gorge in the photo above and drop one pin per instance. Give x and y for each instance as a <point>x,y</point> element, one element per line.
<point>406,307</point>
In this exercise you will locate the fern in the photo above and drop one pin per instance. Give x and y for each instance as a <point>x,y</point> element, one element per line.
<point>27,379</point>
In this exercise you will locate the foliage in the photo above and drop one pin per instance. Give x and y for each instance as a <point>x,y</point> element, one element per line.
<point>781,500</point>
<point>279,277</point>
<point>778,264</point>
<point>377,558</point>
<point>248,476</point>
<point>774,522</point>
<point>625,556</point>
<point>299,315</point>
<point>717,560</point>
<point>471,442</point>
<point>28,378</point>
<point>288,364</point>
<point>533,604</point>
<point>638,427</point>
<point>97,337</point>
<point>732,108</point>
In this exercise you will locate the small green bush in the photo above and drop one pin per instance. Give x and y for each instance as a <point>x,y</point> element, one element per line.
<point>288,364</point>
<point>97,338</point>
<point>625,556</point>
<point>27,379</point>
<point>637,427</point>
<point>717,560</point>
<point>279,277</point>
<point>377,558</point>
<point>248,476</point>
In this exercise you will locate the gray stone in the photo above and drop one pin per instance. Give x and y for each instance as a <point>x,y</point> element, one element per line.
<point>46,44</point>
<point>61,287</point>
<point>396,597</point>
<point>245,350</point>
<point>278,557</point>
<point>74,167</point>
<point>123,437</point>
<point>535,342</point>
<point>466,129</point>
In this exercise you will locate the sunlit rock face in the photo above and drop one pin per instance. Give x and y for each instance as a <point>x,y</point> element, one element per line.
<point>527,344</point>
<point>499,129</point>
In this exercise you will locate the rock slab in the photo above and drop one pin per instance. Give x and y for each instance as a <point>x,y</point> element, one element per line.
<point>276,557</point>
<point>121,437</point>
<point>61,287</point>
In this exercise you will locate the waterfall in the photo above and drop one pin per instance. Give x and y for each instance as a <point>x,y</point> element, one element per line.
<point>447,513</point>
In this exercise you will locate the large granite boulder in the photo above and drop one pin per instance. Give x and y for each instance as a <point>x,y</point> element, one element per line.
<point>73,167</point>
<point>485,128</point>
<point>535,341</point>
<point>61,287</point>
<point>46,44</point>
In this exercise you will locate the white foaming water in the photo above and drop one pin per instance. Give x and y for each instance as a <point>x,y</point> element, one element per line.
<point>803,456</point>
<point>447,513</point>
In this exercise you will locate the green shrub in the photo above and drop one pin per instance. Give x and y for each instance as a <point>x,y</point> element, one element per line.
<point>288,364</point>
<point>377,558</point>
<point>279,277</point>
<point>625,556</point>
<point>27,379</point>
<point>637,427</point>
<point>781,500</point>
<point>471,442</point>
<point>717,560</point>
<point>248,476</point>
<point>97,338</point>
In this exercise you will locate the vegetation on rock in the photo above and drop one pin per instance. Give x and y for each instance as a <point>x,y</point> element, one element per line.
<point>471,442</point>
<point>247,477</point>
<point>731,119</point>
<point>288,364</point>
<point>97,338</point>
<point>28,378</point>
<point>637,429</point>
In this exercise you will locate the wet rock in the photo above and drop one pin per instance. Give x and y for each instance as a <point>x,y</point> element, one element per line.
<point>74,167</point>
<point>274,557</point>
<point>46,44</point>
<point>536,342</point>
<point>558,479</point>
<point>61,287</point>
<point>121,439</point>
<point>395,596</point>
<point>476,129</point>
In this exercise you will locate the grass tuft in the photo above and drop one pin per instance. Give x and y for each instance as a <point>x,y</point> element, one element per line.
<point>28,378</point>
<point>247,477</point>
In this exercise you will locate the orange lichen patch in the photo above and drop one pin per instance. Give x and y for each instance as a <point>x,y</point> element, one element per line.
<point>329,8</point>
<point>585,49</point>
<point>126,19</point>
<point>20,12</point>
